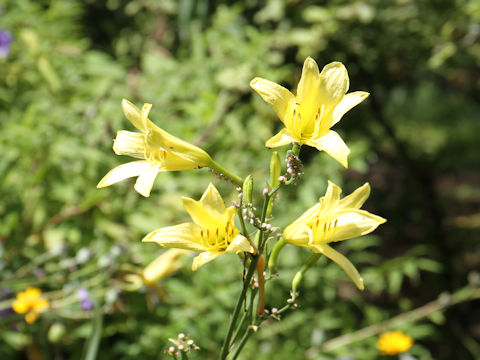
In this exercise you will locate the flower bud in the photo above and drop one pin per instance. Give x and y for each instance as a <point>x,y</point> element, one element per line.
<point>56,332</point>
<point>297,279</point>
<point>247,189</point>
<point>275,169</point>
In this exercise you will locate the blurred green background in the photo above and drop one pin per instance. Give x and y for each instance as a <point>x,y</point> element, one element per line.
<point>416,140</point>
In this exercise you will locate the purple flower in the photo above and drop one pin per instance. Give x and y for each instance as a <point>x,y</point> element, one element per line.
<point>82,294</point>
<point>5,41</point>
<point>85,302</point>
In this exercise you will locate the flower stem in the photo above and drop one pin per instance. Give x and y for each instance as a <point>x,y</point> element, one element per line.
<point>246,284</point>
<point>238,307</point>
<point>296,149</point>
<point>237,180</point>
<point>242,343</point>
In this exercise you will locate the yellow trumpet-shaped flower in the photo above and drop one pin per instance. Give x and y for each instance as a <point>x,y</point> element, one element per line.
<point>333,219</point>
<point>212,232</point>
<point>158,150</point>
<point>320,103</point>
<point>394,342</point>
<point>30,302</point>
<point>164,265</point>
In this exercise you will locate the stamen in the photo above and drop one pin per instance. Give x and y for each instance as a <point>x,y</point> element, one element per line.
<point>318,121</point>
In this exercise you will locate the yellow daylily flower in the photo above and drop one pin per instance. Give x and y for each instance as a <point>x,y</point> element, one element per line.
<point>333,219</point>
<point>30,302</point>
<point>394,342</point>
<point>212,232</point>
<point>320,103</point>
<point>158,150</point>
<point>164,265</point>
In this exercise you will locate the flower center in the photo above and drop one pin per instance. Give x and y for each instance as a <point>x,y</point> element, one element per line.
<point>323,230</point>
<point>155,156</point>
<point>218,238</point>
<point>307,127</point>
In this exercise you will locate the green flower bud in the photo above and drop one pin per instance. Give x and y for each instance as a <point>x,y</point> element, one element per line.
<point>272,260</point>
<point>56,332</point>
<point>275,169</point>
<point>247,189</point>
<point>297,279</point>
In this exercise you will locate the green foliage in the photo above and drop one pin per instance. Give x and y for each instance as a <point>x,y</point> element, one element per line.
<point>415,141</point>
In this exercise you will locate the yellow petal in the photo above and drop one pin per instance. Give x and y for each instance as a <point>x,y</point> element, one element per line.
<point>31,317</point>
<point>173,162</point>
<point>282,138</point>
<point>134,115</point>
<point>200,215</point>
<point>344,263</point>
<point>308,94</point>
<point>145,111</point>
<point>240,244</point>
<point>212,203</point>
<point>333,145</point>
<point>333,84</point>
<point>276,95</point>
<point>356,199</point>
<point>352,223</point>
<point>203,258</point>
<point>131,169</point>
<point>20,306</point>
<point>164,265</point>
<point>183,236</point>
<point>40,305</point>
<point>298,234</point>
<point>32,292</point>
<point>129,143</point>
<point>158,138</point>
<point>145,180</point>
<point>348,101</point>
<point>309,82</point>
<point>332,195</point>
<point>308,215</point>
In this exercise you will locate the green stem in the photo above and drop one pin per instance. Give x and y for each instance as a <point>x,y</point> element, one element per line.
<point>246,284</point>
<point>242,343</point>
<point>183,355</point>
<point>237,180</point>
<point>296,149</point>
<point>238,307</point>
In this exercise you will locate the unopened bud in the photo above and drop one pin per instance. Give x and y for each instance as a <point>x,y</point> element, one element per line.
<point>247,189</point>
<point>275,169</point>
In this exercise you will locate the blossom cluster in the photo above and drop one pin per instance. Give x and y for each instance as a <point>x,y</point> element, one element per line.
<point>320,102</point>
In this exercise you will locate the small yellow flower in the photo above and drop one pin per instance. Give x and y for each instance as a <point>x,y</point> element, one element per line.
<point>212,232</point>
<point>31,303</point>
<point>331,220</point>
<point>164,265</point>
<point>394,342</point>
<point>158,150</point>
<point>320,103</point>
